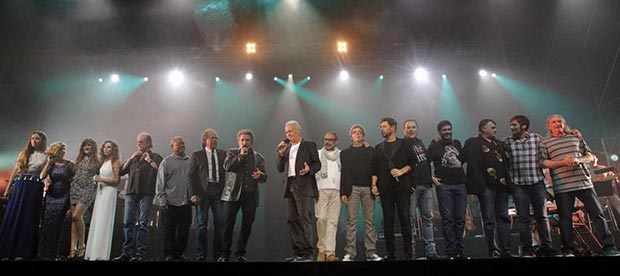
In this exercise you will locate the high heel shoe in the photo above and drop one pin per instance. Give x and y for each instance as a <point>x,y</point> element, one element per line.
<point>72,254</point>
<point>81,251</point>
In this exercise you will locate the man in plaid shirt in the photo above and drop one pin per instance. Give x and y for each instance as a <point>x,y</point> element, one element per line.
<point>529,187</point>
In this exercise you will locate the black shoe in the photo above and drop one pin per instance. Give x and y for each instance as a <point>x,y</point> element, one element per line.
<point>507,255</point>
<point>201,259</point>
<point>222,259</point>
<point>546,252</point>
<point>494,254</point>
<point>181,258</point>
<point>410,257</point>
<point>303,259</point>
<point>433,256</point>
<point>137,258</point>
<point>291,258</point>
<point>242,259</point>
<point>527,252</point>
<point>389,258</point>
<point>122,258</point>
<point>168,258</point>
<point>458,256</point>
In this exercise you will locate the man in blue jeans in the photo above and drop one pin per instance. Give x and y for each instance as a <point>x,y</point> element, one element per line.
<point>206,178</point>
<point>528,186</point>
<point>139,192</point>
<point>422,195</point>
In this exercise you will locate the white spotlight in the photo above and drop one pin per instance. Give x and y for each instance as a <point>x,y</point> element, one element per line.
<point>420,74</point>
<point>114,78</point>
<point>493,75</point>
<point>380,77</point>
<point>146,79</point>
<point>175,77</point>
<point>248,76</point>
<point>275,78</point>
<point>290,76</point>
<point>308,78</point>
<point>344,75</point>
<point>483,73</point>
<point>217,78</point>
<point>100,80</point>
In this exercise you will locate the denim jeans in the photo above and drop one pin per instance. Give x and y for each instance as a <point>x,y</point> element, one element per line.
<point>494,209</point>
<point>452,199</point>
<point>534,195</point>
<point>202,221</point>
<point>421,200</point>
<point>136,205</point>
<point>566,202</point>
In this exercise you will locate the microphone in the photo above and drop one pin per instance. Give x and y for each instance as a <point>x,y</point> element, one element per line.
<point>390,167</point>
<point>285,141</point>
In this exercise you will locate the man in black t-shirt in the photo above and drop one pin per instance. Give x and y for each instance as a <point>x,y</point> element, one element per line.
<point>446,154</point>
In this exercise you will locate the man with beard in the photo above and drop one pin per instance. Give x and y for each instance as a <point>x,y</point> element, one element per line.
<point>528,186</point>
<point>422,195</point>
<point>487,173</point>
<point>328,206</point>
<point>391,178</point>
<point>446,154</point>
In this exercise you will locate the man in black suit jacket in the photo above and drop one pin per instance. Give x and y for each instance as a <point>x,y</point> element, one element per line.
<point>299,160</point>
<point>206,183</point>
<point>488,179</point>
<point>393,161</point>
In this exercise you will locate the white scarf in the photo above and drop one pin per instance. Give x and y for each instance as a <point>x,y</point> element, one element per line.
<point>333,155</point>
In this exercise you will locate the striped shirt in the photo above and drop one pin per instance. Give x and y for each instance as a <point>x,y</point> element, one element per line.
<point>566,178</point>
<point>523,155</point>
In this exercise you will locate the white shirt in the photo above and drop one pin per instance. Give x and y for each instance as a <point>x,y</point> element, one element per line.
<point>332,181</point>
<point>292,157</point>
<point>217,168</point>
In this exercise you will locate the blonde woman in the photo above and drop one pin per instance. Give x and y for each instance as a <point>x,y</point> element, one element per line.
<point>19,234</point>
<point>82,194</point>
<point>102,223</point>
<point>56,201</point>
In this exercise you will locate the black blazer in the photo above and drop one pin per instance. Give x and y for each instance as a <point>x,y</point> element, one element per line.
<point>403,156</point>
<point>233,165</point>
<point>477,176</point>
<point>198,175</point>
<point>305,185</point>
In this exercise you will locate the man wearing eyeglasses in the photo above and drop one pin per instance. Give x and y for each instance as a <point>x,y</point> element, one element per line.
<point>327,208</point>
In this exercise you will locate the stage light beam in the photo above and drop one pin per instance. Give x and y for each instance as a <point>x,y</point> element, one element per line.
<point>344,75</point>
<point>483,73</point>
<point>175,77</point>
<point>248,76</point>
<point>420,74</point>
<point>114,78</point>
<point>342,47</point>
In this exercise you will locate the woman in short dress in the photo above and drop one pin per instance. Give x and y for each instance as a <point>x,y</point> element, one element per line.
<point>19,234</point>
<point>56,201</point>
<point>82,194</point>
<point>99,242</point>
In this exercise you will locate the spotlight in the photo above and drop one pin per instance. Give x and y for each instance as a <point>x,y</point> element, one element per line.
<point>290,76</point>
<point>146,79</point>
<point>175,77</point>
<point>344,75</point>
<point>100,80</point>
<point>308,78</point>
<point>217,78</point>
<point>420,74</point>
<point>114,78</point>
<point>380,77</point>
<point>275,78</point>
<point>614,157</point>
<point>443,76</point>
<point>483,73</point>
<point>248,76</point>
<point>493,75</point>
<point>342,47</point>
<point>250,48</point>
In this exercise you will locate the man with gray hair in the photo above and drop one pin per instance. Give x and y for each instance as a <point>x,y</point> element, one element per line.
<point>139,191</point>
<point>174,201</point>
<point>246,169</point>
<point>328,206</point>
<point>206,178</point>
<point>298,160</point>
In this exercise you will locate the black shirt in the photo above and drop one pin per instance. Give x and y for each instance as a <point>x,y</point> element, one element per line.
<point>422,172</point>
<point>356,168</point>
<point>446,157</point>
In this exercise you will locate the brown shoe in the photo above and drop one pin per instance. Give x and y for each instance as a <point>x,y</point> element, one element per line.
<point>332,258</point>
<point>320,257</point>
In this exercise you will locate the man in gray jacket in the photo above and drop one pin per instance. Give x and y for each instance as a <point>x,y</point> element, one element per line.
<point>245,168</point>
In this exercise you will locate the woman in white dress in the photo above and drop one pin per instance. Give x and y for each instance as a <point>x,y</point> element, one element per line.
<point>99,242</point>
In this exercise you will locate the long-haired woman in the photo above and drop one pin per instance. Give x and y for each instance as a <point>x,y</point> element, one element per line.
<point>56,201</point>
<point>99,242</point>
<point>83,190</point>
<point>19,234</point>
